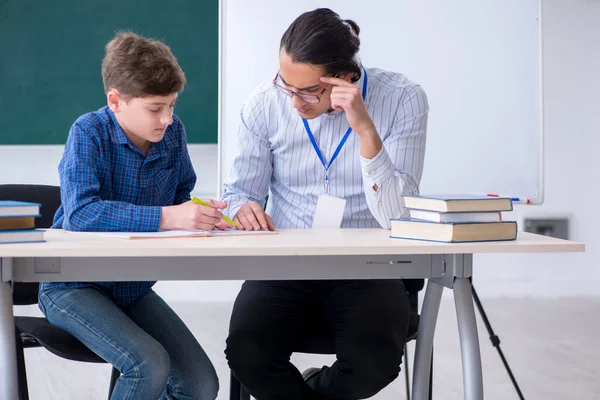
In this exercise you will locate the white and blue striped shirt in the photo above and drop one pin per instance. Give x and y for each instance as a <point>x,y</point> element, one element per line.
<point>275,155</point>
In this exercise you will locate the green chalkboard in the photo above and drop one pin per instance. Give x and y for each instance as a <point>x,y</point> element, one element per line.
<point>51,53</point>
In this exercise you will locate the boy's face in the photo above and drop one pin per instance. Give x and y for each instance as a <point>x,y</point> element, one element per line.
<point>143,119</point>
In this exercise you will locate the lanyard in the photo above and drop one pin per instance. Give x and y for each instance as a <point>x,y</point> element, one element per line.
<point>342,142</point>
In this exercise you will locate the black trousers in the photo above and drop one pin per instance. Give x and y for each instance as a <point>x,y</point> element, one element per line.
<point>369,321</point>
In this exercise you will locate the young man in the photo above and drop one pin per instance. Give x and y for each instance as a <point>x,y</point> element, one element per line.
<point>324,125</point>
<point>126,168</point>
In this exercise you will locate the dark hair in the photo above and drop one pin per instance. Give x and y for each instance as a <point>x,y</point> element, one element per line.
<point>140,67</point>
<point>321,37</point>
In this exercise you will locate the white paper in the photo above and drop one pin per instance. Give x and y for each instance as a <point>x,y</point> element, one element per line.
<point>235,232</point>
<point>149,235</point>
<point>177,234</point>
<point>329,213</point>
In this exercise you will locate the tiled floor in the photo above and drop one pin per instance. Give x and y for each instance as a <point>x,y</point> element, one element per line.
<point>551,345</point>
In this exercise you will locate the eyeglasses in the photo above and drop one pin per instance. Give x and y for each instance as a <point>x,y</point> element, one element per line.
<point>309,98</point>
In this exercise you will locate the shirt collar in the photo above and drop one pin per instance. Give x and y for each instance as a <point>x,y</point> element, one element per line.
<point>361,81</point>
<point>116,133</point>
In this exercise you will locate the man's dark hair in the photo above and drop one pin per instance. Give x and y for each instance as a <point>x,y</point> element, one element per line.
<point>321,37</point>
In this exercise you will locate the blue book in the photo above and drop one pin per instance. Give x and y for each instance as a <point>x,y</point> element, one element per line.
<point>9,208</point>
<point>22,236</point>
<point>458,203</point>
<point>453,232</point>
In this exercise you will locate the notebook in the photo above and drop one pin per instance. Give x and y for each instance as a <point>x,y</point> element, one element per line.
<point>9,208</point>
<point>22,236</point>
<point>458,203</point>
<point>177,234</point>
<point>16,223</point>
<point>453,232</point>
<point>435,216</point>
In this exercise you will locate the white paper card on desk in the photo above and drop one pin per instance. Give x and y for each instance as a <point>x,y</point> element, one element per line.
<point>235,232</point>
<point>150,235</point>
<point>329,213</point>
<point>177,234</point>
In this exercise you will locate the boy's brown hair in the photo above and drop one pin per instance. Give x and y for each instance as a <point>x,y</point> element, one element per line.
<point>140,67</point>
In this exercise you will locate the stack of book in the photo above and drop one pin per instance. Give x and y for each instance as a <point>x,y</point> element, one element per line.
<point>455,218</point>
<point>17,222</point>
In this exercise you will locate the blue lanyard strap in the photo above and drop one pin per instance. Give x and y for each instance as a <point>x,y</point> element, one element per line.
<point>342,142</point>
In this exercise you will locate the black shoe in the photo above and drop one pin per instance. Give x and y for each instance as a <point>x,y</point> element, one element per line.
<point>310,373</point>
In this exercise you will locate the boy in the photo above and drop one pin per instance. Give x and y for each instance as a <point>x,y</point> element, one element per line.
<point>126,168</point>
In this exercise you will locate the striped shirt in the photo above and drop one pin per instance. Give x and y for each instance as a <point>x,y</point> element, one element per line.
<point>108,184</point>
<point>275,156</point>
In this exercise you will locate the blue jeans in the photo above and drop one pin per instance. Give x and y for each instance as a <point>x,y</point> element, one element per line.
<point>157,355</point>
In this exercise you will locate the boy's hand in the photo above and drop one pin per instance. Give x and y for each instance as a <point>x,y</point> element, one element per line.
<point>192,217</point>
<point>252,217</point>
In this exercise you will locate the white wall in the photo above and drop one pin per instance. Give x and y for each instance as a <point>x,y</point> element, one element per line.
<point>572,127</point>
<point>457,51</point>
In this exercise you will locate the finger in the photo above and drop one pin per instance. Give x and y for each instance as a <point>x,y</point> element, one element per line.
<point>354,90</point>
<point>215,203</point>
<point>223,225</point>
<point>210,212</point>
<point>251,216</point>
<point>220,204</point>
<point>260,215</point>
<point>207,219</point>
<point>337,104</point>
<point>243,218</point>
<point>203,225</point>
<point>240,226</point>
<point>270,223</point>
<point>342,101</point>
<point>336,81</point>
<point>341,96</point>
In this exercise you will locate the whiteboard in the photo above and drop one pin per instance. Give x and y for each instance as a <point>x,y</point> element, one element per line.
<point>479,61</point>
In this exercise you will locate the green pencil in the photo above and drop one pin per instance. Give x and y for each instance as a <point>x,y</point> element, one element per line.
<point>225,218</point>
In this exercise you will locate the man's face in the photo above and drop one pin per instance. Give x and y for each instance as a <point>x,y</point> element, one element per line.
<point>304,79</point>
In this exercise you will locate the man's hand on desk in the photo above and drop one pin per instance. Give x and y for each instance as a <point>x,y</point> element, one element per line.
<point>190,216</point>
<point>251,217</point>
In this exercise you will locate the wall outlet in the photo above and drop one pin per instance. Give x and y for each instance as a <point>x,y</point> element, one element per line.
<point>558,227</point>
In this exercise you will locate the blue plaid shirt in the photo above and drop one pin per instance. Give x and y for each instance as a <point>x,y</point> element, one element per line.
<point>108,184</point>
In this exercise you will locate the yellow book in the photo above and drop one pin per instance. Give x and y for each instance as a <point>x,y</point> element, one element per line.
<point>453,232</point>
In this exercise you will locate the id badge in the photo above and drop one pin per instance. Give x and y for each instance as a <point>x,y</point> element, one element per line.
<point>329,213</point>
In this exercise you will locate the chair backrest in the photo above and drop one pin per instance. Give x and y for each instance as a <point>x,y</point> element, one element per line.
<point>49,197</point>
<point>414,285</point>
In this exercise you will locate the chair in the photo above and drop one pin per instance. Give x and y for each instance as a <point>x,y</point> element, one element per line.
<point>35,331</point>
<point>320,341</point>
